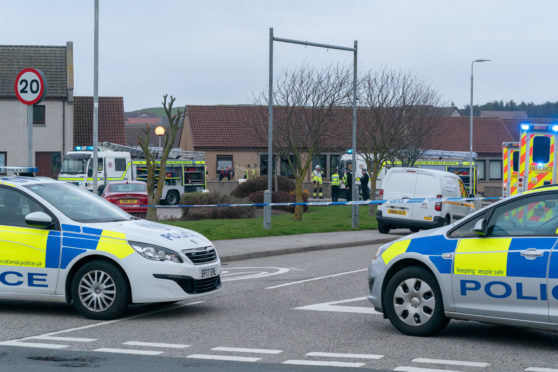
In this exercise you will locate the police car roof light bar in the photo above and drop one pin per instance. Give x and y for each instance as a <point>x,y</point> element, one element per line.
<point>19,171</point>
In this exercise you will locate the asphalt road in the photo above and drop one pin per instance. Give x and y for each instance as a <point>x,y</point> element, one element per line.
<point>274,313</point>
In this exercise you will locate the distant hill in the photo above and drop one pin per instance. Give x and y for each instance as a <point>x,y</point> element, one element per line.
<point>159,111</point>
<point>543,110</point>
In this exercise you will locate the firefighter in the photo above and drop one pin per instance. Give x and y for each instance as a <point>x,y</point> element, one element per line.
<point>335,183</point>
<point>317,181</point>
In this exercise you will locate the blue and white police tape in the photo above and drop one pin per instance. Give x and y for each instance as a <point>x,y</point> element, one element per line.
<point>359,202</point>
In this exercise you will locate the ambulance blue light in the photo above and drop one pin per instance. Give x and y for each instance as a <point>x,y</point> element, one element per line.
<point>540,165</point>
<point>77,148</point>
<point>555,128</point>
<point>525,126</point>
<point>89,148</point>
<point>349,151</point>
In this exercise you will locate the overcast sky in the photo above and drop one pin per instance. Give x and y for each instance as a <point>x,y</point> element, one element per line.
<point>216,52</point>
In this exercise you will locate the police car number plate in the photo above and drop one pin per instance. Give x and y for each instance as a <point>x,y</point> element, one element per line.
<point>397,211</point>
<point>208,272</point>
<point>129,201</point>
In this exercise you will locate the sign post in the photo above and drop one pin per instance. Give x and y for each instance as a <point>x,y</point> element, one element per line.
<point>30,88</point>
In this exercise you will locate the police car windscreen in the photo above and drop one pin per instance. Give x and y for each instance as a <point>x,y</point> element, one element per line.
<point>74,163</point>
<point>78,204</point>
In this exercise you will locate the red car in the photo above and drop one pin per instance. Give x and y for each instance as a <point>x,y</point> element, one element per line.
<point>128,195</point>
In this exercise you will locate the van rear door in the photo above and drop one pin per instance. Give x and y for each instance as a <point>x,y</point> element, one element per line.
<point>399,185</point>
<point>427,186</point>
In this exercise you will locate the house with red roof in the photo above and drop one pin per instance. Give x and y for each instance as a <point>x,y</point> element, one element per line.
<point>229,137</point>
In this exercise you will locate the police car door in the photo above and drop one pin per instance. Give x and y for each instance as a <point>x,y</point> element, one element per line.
<point>504,273</point>
<point>29,257</point>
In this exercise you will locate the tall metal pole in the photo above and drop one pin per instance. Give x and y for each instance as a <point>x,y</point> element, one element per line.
<point>354,190</point>
<point>30,157</point>
<point>96,98</point>
<point>471,176</point>
<point>267,193</point>
<point>471,136</point>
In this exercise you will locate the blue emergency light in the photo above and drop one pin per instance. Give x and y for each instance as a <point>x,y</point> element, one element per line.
<point>555,128</point>
<point>349,151</point>
<point>21,171</point>
<point>525,127</point>
<point>77,148</point>
<point>89,148</point>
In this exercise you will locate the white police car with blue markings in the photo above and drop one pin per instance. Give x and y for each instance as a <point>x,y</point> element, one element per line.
<point>59,242</point>
<point>498,265</point>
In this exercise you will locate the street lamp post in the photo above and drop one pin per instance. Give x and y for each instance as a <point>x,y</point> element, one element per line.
<point>471,177</point>
<point>160,132</point>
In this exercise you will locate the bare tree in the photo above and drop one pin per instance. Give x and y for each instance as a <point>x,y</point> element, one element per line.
<point>394,121</point>
<point>307,103</point>
<point>155,193</point>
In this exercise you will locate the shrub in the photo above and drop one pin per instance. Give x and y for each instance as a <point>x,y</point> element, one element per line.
<point>279,197</point>
<point>212,198</point>
<point>260,184</point>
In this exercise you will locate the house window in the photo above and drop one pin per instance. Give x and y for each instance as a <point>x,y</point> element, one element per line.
<point>224,165</point>
<point>39,115</point>
<point>480,170</point>
<point>286,170</point>
<point>334,163</point>
<point>320,160</point>
<point>263,164</point>
<point>495,169</point>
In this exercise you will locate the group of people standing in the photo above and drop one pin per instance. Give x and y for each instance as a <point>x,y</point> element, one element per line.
<point>336,181</point>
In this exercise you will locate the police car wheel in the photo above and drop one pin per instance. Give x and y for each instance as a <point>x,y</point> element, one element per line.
<point>413,302</point>
<point>99,291</point>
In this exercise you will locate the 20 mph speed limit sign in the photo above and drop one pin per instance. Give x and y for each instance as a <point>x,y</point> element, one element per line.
<point>30,86</point>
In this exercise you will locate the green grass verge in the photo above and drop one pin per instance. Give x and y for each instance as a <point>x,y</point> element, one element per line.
<point>317,219</point>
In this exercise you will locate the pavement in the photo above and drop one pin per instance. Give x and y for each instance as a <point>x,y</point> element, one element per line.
<point>240,249</point>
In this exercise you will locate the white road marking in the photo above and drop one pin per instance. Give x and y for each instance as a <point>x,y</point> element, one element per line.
<point>155,344</point>
<point>67,339</point>
<point>245,350</point>
<point>50,334</point>
<point>223,357</point>
<point>33,344</point>
<point>451,362</point>
<point>128,351</point>
<point>332,306</point>
<point>230,274</point>
<point>537,369</point>
<point>417,369</point>
<point>314,279</point>
<point>323,363</point>
<point>344,355</point>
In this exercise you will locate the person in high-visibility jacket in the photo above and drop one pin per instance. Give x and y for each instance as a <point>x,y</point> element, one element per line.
<point>317,181</point>
<point>335,183</point>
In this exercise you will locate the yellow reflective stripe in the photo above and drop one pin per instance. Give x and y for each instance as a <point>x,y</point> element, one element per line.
<point>552,188</point>
<point>7,184</point>
<point>22,246</point>
<point>115,243</point>
<point>395,250</point>
<point>482,256</point>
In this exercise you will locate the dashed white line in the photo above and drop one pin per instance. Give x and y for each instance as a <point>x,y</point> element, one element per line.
<point>64,339</point>
<point>317,278</point>
<point>33,344</point>
<point>155,344</point>
<point>246,350</point>
<point>417,369</point>
<point>451,362</point>
<point>323,363</point>
<point>223,357</point>
<point>539,369</point>
<point>344,355</point>
<point>128,351</point>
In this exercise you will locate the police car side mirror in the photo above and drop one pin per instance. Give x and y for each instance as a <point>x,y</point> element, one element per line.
<point>39,220</point>
<point>480,227</point>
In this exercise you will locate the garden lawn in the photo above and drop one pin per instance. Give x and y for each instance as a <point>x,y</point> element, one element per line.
<point>315,220</point>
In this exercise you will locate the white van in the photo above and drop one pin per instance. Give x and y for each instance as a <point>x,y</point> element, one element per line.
<point>411,183</point>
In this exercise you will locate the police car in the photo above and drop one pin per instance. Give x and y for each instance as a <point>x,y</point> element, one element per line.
<point>59,242</point>
<point>498,265</point>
